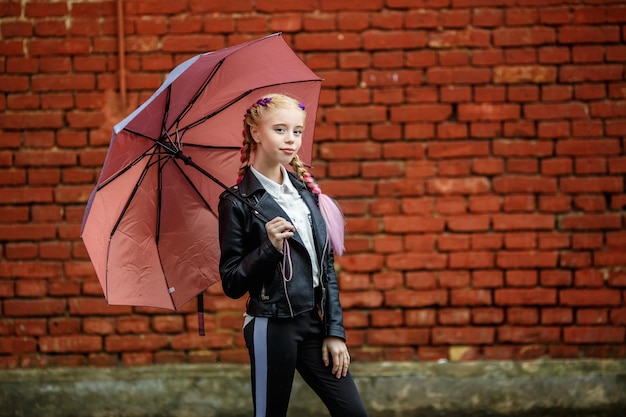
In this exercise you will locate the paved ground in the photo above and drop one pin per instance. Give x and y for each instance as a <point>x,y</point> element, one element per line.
<point>467,389</point>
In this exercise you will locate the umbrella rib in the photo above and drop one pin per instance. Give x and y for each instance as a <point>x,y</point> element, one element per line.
<point>200,146</point>
<point>227,105</point>
<point>187,160</point>
<point>126,168</point>
<point>166,112</point>
<point>206,203</point>
<point>132,195</point>
<point>195,97</point>
<point>143,135</point>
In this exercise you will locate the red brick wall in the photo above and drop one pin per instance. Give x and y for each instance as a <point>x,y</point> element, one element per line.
<point>476,146</point>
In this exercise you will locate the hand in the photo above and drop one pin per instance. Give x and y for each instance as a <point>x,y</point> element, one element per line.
<point>279,229</point>
<point>339,353</point>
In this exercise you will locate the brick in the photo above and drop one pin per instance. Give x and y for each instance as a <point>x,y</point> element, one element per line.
<point>89,306</point>
<point>529,334</point>
<point>31,120</point>
<point>524,184</point>
<point>31,327</point>
<point>519,203</point>
<point>392,20</point>
<point>524,74</point>
<point>522,278</point>
<point>463,335</point>
<point>458,75</point>
<point>526,259</point>
<point>423,317</point>
<point>523,297</point>
<point>471,38</point>
<point>588,34</point>
<point>412,261</point>
<point>523,222</point>
<point>556,166</point>
<point>326,42</point>
<point>423,298</point>
<point>587,241</point>
<point>471,260</point>
<point>553,129</point>
<point>471,297</point>
<point>387,280</point>
<point>368,299</point>
<point>31,288</point>
<point>594,334</point>
<point>589,297</point>
<point>348,5</point>
<point>590,73</point>
<point>617,316</point>
<point>488,112</point>
<point>617,278</point>
<point>524,36</point>
<point>454,316</point>
<point>17,345</point>
<point>232,6</point>
<point>387,318</point>
<point>555,278</point>
<point>487,315</point>
<point>458,149</point>
<point>590,222</point>
<point>36,307</point>
<point>551,316</point>
<point>398,337</point>
<point>448,186</point>
<point>556,111</point>
<point>408,224</point>
<point>386,40</point>
<point>609,258</point>
<point>585,147</point>
<point>592,316</point>
<point>421,113</point>
<point>114,343</point>
<point>126,325</point>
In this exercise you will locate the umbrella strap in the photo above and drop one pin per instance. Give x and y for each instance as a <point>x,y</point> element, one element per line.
<point>200,299</point>
<point>287,275</point>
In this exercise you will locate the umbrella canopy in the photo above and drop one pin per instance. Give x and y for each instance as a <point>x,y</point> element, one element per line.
<point>150,226</point>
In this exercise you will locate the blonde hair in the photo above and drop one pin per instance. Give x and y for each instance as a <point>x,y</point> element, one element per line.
<point>254,116</point>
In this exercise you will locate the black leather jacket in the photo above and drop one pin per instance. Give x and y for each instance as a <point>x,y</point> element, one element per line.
<point>249,263</point>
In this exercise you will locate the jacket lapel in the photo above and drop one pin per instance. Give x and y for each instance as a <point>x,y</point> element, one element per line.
<point>251,189</point>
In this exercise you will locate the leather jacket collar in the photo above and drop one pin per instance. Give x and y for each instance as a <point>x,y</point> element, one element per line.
<point>251,189</point>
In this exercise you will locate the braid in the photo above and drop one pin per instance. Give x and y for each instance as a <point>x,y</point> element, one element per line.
<point>246,149</point>
<point>304,175</point>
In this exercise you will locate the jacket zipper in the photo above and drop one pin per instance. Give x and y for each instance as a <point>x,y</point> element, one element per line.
<point>322,276</point>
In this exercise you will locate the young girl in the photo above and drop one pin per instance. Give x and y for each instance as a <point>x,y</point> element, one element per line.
<point>276,248</point>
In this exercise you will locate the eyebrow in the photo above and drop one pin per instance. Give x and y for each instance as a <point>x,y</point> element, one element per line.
<point>285,125</point>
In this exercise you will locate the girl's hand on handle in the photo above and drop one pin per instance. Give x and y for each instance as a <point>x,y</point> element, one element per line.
<point>336,349</point>
<point>279,229</point>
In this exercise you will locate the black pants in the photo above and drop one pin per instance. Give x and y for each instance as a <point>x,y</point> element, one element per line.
<point>277,348</point>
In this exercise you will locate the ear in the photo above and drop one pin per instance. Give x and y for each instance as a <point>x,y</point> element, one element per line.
<point>255,133</point>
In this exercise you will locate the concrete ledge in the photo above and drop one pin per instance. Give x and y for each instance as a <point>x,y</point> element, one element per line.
<point>538,388</point>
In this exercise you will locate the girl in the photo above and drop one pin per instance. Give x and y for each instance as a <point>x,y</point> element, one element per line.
<point>293,316</point>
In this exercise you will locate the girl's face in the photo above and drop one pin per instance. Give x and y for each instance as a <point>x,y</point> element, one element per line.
<point>278,136</point>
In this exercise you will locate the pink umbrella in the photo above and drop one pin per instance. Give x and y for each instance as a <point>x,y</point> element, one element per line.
<point>150,226</point>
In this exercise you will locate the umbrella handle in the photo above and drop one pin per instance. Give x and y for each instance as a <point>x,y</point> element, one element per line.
<point>200,299</point>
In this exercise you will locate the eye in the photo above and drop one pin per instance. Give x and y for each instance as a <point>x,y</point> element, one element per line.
<point>298,132</point>
<point>280,130</point>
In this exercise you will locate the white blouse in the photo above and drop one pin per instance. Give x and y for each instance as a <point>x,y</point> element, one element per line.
<point>291,202</point>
